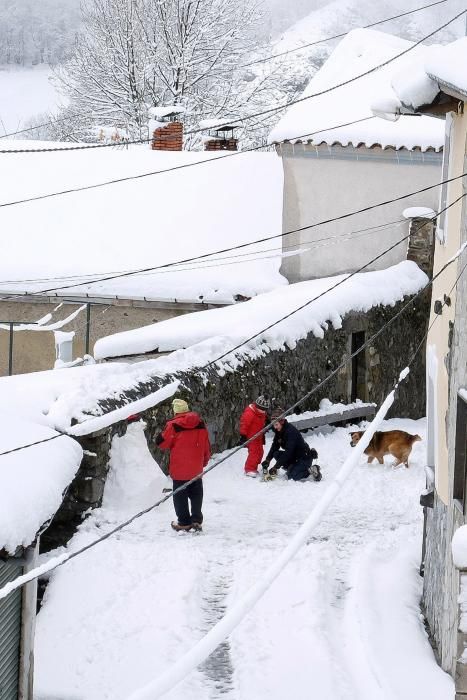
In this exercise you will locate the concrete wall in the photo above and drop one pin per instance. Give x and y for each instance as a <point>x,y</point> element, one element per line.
<point>34,351</point>
<point>322,182</point>
<point>285,374</point>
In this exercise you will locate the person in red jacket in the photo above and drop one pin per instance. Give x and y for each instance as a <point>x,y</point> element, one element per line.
<point>253,419</point>
<point>187,438</point>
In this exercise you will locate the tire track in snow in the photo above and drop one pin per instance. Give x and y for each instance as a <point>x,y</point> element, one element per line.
<point>218,667</point>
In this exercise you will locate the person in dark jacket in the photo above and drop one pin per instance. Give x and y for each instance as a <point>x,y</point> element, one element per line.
<point>290,451</point>
<point>187,439</point>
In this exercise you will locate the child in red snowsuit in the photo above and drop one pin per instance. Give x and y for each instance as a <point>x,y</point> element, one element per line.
<point>253,419</point>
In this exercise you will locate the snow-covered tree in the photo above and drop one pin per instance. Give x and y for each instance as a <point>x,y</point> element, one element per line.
<point>133,54</point>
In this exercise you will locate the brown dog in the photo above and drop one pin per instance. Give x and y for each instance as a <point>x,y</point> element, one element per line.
<point>393,442</point>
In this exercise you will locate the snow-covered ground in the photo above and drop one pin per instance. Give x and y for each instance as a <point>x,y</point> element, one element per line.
<point>342,622</point>
<point>25,93</point>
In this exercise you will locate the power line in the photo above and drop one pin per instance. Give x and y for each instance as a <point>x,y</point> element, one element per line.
<point>233,121</point>
<point>62,559</point>
<point>339,36</point>
<point>254,115</point>
<point>363,267</point>
<point>330,289</point>
<point>184,166</point>
<point>198,653</point>
<point>251,116</point>
<point>319,242</point>
<point>242,245</point>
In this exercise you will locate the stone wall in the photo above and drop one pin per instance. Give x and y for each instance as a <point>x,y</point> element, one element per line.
<point>441,582</point>
<point>285,374</point>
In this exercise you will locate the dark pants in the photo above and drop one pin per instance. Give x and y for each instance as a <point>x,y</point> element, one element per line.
<point>298,470</point>
<point>194,494</point>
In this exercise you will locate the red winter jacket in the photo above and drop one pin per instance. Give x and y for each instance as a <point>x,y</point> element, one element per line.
<point>188,441</point>
<point>253,419</point>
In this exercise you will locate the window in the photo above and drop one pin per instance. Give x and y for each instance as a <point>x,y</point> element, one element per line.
<point>460,458</point>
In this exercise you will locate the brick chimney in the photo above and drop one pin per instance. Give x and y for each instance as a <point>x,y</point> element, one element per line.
<point>166,130</point>
<point>220,135</point>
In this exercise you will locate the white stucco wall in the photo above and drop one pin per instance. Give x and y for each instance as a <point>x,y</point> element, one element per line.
<point>438,338</point>
<point>324,182</point>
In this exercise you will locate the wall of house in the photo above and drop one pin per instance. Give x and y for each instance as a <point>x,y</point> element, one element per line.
<point>285,374</point>
<point>34,351</point>
<point>440,335</point>
<point>447,346</point>
<point>322,182</point>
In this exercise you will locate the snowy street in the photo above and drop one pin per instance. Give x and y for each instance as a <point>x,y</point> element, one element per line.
<point>342,622</point>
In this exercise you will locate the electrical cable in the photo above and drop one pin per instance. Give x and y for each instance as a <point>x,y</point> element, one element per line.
<point>330,289</point>
<point>340,36</point>
<point>318,243</point>
<point>223,628</point>
<point>241,245</point>
<point>255,115</point>
<point>62,559</point>
<point>22,447</point>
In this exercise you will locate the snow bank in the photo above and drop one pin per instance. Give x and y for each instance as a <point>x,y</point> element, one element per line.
<point>383,621</point>
<point>152,221</point>
<point>32,481</point>
<point>239,322</point>
<point>358,52</point>
<point>459,547</point>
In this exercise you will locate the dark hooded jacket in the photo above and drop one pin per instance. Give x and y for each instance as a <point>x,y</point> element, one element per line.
<point>187,439</point>
<point>292,445</point>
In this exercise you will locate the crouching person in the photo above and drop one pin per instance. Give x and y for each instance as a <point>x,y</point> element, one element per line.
<point>290,451</point>
<point>187,438</point>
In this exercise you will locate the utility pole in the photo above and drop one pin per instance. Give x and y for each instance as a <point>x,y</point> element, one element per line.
<point>11,325</point>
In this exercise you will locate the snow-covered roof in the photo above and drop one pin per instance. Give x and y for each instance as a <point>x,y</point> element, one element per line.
<point>239,322</point>
<point>444,69</point>
<point>31,481</point>
<point>448,65</point>
<point>358,52</point>
<point>141,223</point>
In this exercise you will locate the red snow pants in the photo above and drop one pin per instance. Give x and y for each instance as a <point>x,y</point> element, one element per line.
<point>255,454</point>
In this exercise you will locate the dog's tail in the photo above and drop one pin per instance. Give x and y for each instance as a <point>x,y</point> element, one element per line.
<point>416,438</point>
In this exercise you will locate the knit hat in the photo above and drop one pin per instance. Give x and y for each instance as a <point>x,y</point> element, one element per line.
<point>277,414</point>
<point>263,403</point>
<point>179,406</point>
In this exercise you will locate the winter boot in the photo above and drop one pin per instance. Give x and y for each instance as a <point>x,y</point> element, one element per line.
<point>175,525</point>
<point>197,527</point>
<point>315,472</point>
